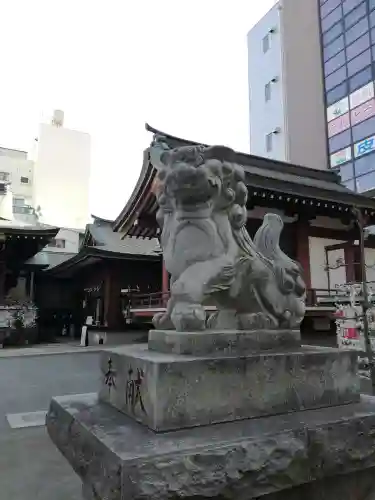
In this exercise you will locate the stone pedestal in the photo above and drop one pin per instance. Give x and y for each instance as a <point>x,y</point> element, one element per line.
<point>118,458</point>
<point>286,421</point>
<point>211,342</point>
<point>168,391</point>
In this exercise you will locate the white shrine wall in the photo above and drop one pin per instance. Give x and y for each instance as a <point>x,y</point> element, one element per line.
<point>318,272</point>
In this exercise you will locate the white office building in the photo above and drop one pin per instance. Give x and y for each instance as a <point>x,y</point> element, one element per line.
<point>16,178</point>
<point>53,187</point>
<point>62,175</point>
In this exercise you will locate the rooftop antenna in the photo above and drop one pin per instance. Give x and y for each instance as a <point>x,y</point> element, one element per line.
<point>58,118</point>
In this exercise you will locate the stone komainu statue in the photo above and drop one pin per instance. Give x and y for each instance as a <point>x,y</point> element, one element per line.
<point>208,252</point>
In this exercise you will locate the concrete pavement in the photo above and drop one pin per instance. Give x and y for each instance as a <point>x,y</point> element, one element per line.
<point>70,346</point>
<point>50,349</point>
<point>30,465</point>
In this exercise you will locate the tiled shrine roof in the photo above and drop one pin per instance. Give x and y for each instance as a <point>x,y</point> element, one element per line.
<point>271,183</point>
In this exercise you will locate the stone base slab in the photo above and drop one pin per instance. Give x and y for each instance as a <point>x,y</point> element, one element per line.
<point>118,459</point>
<point>167,391</point>
<point>210,342</point>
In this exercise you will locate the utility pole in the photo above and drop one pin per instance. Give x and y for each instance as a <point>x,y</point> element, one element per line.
<point>360,222</point>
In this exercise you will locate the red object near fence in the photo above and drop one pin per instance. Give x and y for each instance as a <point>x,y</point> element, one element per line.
<point>351,333</point>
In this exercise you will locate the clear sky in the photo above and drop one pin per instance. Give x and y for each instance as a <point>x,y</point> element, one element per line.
<point>113,65</point>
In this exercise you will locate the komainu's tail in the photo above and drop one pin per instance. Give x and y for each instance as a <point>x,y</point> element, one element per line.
<point>267,242</point>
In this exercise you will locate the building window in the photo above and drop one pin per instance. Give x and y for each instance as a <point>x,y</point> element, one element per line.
<point>365,182</point>
<point>269,142</point>
<point>365,164</point>
<point>356,31</point>
<point>334,63</point>
<point>23,210</point>
<point>347,172</point>
<point>337,93</point>
<point>335,78</point>
<point>328,7</point>
<point>19,202</point>
<point>340,141</point>
<point>332,33</point>
<point>332,18</point>
<point>56,243</point>
<point>355,15</point>
<point>267,92</point>
<point>350,184</point>
<point>266,43</point>
<point>371,4</point>
<point>333,48</point>
<point>358,46</point>
<point>359,62</point>
<point>363,129</point>
<point>4,176</point>
<point>349,5</point>
<point>360,79</point>
<point>371,18</point>
<point>24,180</point>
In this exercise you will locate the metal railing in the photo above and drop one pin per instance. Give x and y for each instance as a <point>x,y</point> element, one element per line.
<point>324,297</point>
<point>315,297</point>
<point>149,300</point>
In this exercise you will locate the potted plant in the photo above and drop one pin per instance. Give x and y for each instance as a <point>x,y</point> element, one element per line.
<point>17,328</point>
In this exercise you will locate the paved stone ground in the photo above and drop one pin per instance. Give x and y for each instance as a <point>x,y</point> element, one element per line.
<point>30,465</point>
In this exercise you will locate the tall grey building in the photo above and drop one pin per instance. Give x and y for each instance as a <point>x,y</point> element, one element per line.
<point>347,35</point>
<point>312,87</point>
<point>287,119</point>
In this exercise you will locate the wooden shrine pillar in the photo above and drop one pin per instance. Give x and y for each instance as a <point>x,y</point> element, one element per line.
<point>112,299</point>
<point>303,249</point>
<point>107,299</point>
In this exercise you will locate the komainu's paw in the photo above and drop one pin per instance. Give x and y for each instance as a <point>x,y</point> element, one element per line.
<point>162,321</point>
<point>256,321</point>
<point>188,317</point>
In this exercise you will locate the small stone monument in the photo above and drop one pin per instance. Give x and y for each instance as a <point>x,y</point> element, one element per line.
<point>229,406</point>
